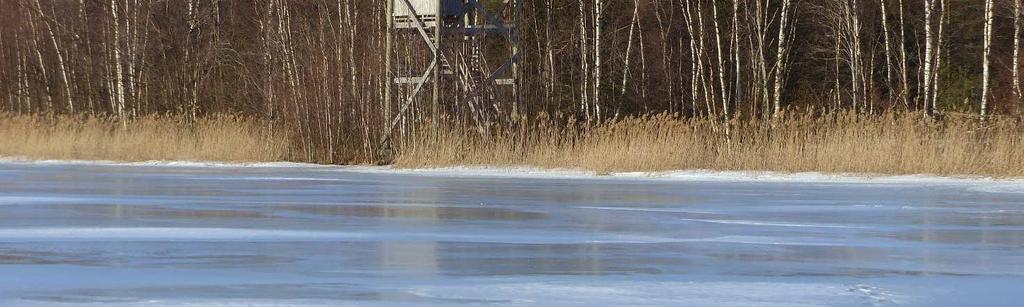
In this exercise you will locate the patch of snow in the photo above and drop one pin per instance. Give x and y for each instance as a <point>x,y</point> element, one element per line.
<point>155,163</point>
<point>1007,185</point>
<point>685,175</point>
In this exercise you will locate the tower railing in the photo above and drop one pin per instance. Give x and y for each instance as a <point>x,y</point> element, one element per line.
<point>442,31</point>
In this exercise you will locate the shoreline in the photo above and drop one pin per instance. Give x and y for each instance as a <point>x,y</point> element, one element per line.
<point>479,171</point>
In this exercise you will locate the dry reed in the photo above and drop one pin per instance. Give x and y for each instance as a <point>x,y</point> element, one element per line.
<point>217,138</point>
<point>833,143</point>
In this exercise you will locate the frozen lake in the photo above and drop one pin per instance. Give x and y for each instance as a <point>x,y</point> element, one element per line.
<point>302,235</point>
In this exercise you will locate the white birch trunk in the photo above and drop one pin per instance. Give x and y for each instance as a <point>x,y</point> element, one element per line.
<point>1016,53</point>
<point>937,69</point>
<point>904,72</point>
<point>62,68</point>
<point>738,65</point>
<point>598,33</point>
<point>551,52</point>
<point>780,58</point>
<point>888,49</point>
<point>858,55</point>
<point>694,56</point>
<point>191,74</point>
<point>721,68</point>
<point>629,45</point>
<point>118,80</point>
<point>584,62</point>
<point>42,66</point>
<point>985,62</point>
<point>927,68</point>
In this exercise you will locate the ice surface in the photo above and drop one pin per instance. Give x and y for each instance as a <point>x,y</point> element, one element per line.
<point>212,234</point>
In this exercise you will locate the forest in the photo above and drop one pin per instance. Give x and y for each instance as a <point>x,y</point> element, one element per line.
<point>889,86</point>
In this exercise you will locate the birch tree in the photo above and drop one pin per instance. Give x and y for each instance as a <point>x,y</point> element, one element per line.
<point>598,34</point>
<point>780,62</point>
<point>903,71</point>
<point>629,44</point>
<point>938,55</point>
<point>737,64</point>
<point>42,66</point>
<point>190,71</point>
<point>986,53</point>
<point>928,58</point>
<point>584,62</point>
<point>723,89</point>
<point>888,49</point>
<point>1016,53</point>
<point>59,52</point>
<point>759,61</point>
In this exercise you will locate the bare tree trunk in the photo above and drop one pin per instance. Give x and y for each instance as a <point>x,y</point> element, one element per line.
<point>838,84</point>
<point>190,72</point>
<point>351,16</point>
<point>904,74</point>
<point>629,45</point>
<point>42,66</point>
<point>585,63</point>
<point>858,55</point>
<point>1016,53</point>
<point>6,86</point>
<point>780,57</point>
<point>47,21</point>
<point>663,33</point>
<point>721,71</point>
<point>937,70</point>
<point>760,90</point>
<point>388,43</point>
<point>131,53</point>
<point>24,98</point>
<point>550,51</point>
<point>119,100</point>
<point>927,69</point>
<point>85,43</point>
<point>985,58</point>
<point>695,64</point>
<point>888,51</point>
<point>17,95</point>
<point>706,79</point>
<point>598,33</point>
<point>140,40</point>
<point>847,32</point>
<point>738,65</point>
<point>643,69</point>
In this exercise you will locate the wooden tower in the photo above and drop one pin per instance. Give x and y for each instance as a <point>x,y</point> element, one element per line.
<point>451,54</point>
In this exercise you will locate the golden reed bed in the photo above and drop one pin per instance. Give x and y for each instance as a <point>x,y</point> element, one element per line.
<point>837,143</point>
<point>220,138</point>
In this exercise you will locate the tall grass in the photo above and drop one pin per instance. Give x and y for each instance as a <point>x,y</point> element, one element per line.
<point>217,138</point>
<point>836,143</point>
<point>893,143</point>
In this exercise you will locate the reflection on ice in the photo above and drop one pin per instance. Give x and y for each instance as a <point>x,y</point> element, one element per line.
<point>423,212</point>
<point>128,212</point>
<point>297,235</point>
<point>152,234</point>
